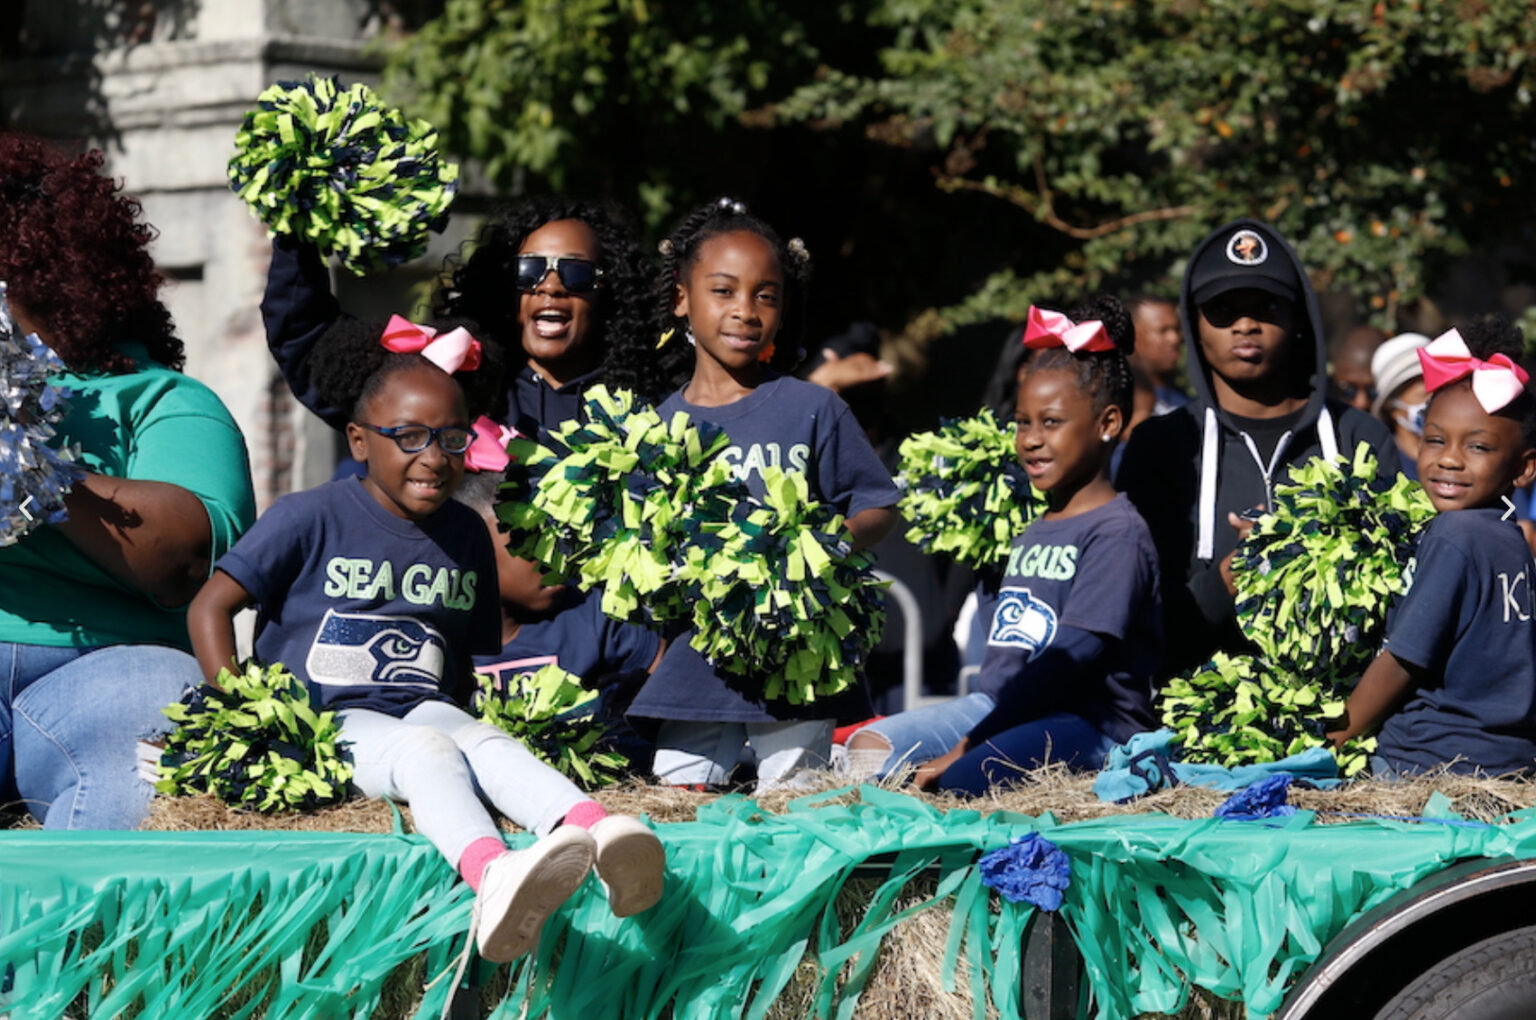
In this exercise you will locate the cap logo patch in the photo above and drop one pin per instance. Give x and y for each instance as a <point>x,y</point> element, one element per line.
<point>1247,248</point>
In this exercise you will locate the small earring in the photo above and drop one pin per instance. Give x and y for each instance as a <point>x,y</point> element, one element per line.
<point>1105,437</point>
<point>693,341</point>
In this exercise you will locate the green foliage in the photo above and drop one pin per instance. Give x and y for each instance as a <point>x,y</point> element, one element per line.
<point>254,741</point>
<point>963,492</point>
<point>573,91</point>
<point>1381,138</point>
<point>552,714</point>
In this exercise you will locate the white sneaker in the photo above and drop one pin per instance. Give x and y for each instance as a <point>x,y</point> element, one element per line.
<point>522,888</point>
<point>631,863</point>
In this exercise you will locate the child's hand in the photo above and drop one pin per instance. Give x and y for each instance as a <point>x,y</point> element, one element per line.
<point>927,777</point>
<point>1242,524</point>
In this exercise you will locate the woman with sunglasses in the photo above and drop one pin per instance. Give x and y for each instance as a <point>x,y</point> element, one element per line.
<point>549,283</point>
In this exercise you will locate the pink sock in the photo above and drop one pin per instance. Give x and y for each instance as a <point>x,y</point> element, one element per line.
<point>476,856</point>
<point>586,814</point>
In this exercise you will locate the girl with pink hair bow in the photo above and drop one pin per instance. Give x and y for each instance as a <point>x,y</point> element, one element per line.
<point>1455,682</point>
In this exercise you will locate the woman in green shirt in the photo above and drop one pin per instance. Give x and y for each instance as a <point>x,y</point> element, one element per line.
<point>92,609</point>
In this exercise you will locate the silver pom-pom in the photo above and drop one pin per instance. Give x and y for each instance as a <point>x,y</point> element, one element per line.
<point>34,477</point>
<point>665,247</point>
<point>731,205</point>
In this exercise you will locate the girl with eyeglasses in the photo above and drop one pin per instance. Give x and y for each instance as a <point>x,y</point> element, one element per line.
<point>550,284</point>
<point>728,302</point>
<point>376,592</point>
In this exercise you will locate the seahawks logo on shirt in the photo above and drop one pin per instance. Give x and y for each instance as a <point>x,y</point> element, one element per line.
<point>354,649</point>
<point>1022,621</point>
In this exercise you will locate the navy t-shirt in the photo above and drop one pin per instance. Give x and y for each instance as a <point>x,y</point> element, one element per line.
<point>1096,572</point>
<point>370,610</point>
<point>795,426</point>
<point>580,639</point>
<point>1466,620</point>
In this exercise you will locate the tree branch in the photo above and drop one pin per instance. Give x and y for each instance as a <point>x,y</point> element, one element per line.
<point>1040,205</point>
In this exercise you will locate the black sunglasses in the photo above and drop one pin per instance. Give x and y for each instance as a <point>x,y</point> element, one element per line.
<point>576,275</point>
<point>415,438</point>
<point>1223,310</point>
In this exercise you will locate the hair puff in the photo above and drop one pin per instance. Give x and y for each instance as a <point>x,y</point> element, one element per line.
<point>76,258</point>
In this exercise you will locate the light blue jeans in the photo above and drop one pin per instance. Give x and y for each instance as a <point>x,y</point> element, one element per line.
<point>923,734</point>
<point>70,720</point>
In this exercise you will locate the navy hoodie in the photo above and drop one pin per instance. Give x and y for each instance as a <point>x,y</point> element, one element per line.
<point>1185,500</point>
<point>298,307</point>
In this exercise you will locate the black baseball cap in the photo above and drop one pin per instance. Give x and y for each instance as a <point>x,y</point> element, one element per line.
<point>1244,255</point>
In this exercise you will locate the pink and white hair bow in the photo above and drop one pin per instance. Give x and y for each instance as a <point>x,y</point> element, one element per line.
<point>489,450</point>
<point>1495,382</point>
<point>453,351</point>
<point>1045,328</point>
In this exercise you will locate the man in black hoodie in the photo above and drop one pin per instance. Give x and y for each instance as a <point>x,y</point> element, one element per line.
<point>1259,373</point>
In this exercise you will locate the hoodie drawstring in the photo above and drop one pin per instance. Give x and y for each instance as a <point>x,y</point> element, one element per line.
<point>1211,452</point>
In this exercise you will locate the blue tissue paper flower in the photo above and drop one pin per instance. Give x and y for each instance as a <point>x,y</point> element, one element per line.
<point>1030,869</point>
<point>1264,799</point>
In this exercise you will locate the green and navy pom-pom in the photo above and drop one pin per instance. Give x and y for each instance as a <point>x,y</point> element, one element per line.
<point>649,512</point>
<point>1316,576</point>
<point>783,600</point>
<point>338,169</point>
<point>1237,710</point>
<point>553,715</point>
<point>620,509</point>
<point>34,476</point>
<point>254,742</point>
<point>963,492</point>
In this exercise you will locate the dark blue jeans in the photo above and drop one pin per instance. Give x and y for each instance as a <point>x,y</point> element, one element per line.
<point>998,762</point>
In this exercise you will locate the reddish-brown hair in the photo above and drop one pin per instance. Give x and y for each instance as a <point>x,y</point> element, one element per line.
<point>74,254</point>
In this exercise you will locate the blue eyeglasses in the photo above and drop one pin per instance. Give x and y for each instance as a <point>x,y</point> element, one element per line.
<point>415,438</point>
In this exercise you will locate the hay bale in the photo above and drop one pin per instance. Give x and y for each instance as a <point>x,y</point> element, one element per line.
<point>1053,789</point>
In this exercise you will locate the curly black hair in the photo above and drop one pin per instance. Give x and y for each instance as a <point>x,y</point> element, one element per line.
<point>351,366</point>
<point>637,364</point>
<point>1493,334</point>
<point>75,257</point>
<point>1104,374</point>
<point>482,286</point>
